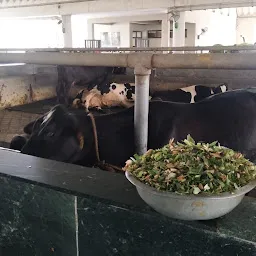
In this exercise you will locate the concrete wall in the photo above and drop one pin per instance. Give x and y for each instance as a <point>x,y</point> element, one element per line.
<point>79,30</point>
<point>221,26</point>
<point>26,33</point>
<point>122,28</point>
<point>247,28</point>
<point>26,83</point>
<point>168,79</point>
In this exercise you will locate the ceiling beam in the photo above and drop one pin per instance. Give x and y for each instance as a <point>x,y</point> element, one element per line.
<point>64,7</point>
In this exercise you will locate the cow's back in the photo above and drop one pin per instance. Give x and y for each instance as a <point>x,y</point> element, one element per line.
<point>116,136</point>
<point>229,118</point>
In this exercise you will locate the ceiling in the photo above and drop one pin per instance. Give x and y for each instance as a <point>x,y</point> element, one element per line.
<point>106,8</point>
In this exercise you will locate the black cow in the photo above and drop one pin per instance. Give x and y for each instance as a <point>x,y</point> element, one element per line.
<point>67,136</point>
<point>57,135</point>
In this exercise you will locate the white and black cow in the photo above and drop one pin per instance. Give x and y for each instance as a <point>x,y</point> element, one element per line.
<point>67,135</point>
<point>107,95</point>
<point>123,95</point>
<point>83,76</point>
<point>191,94</point>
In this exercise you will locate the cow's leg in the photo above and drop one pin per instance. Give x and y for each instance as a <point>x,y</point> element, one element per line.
<point>100,110</point>
<point>86,105</point>
<point>77,103</point>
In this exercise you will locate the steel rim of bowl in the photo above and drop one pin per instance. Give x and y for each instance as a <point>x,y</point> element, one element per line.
<point>241,191</point>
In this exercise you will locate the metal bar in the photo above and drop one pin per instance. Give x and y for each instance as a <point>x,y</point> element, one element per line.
<point>141,108</point>
<point>11,5</point>
<point>187,48</point>
<point>213,5</point>
<point>205,61</point>
<point>148,60</point>
<point>60,58</point>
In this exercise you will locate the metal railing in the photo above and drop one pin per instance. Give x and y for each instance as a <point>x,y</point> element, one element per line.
<point>197,49</point>
<point>141,43</point>
<point>92,44</point>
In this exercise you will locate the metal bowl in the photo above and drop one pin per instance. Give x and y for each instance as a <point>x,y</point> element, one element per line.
<point>190,207</point>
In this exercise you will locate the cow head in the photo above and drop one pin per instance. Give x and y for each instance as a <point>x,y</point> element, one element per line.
<point>58,137</point>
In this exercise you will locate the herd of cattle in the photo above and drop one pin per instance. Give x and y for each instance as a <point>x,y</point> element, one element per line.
<point>68,134</point>
<point>109,95</point>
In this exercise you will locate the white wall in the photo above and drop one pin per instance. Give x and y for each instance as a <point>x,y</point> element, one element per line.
<point>221,27</point>
<point>79,30</point>
<point>123,28</point>
<point>30,33</point>
<point>156,42</point>
<point>246,27</point>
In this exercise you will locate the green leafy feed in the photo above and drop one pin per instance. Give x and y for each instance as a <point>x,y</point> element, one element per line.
<point>192,168</point>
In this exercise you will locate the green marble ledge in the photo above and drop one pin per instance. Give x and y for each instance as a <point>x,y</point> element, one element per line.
<point>241,222</point>
<point>38,221</point>
<point>106,229</point>
<point>35,221</point>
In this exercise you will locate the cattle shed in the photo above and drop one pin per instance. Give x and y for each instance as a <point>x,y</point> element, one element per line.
<point>52,208</point>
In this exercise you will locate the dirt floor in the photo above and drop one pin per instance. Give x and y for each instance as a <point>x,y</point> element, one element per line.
<point>12,123</point>
<point>13,119</point>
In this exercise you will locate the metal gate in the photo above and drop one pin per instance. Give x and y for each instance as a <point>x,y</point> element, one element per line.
<point>93,44</point>
<point>141,43</point>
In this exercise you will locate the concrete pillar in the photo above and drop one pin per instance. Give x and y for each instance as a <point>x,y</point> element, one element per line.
<point>179,30</point>
<point>129,36</point>
<point>67,30</point>
<point>166,27</point>
<point>90,30</point>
